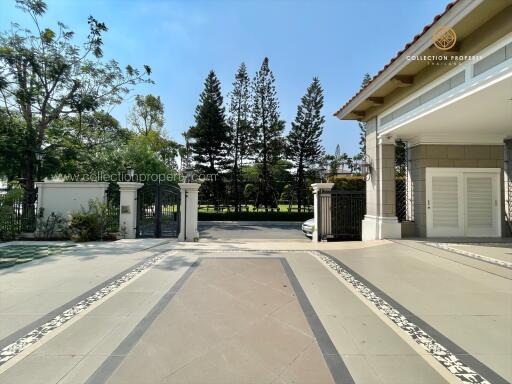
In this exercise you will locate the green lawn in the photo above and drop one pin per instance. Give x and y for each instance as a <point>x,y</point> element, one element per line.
<point>17,254</point>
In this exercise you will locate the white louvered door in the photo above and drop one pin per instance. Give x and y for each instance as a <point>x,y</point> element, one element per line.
<point>444,208</point>
<point>481,204</point>
<point>463,202</point>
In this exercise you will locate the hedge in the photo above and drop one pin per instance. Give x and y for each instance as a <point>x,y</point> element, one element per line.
<point>255,216</point>
<point>349,183</point>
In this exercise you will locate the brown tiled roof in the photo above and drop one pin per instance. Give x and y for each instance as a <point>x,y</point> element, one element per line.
<point>399,53</point>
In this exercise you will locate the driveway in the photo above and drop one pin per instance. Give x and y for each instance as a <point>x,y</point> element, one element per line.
<point>251,230</point>
<point>242,312</point>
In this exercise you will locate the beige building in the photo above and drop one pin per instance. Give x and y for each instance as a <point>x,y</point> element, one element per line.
<point>448,95</point>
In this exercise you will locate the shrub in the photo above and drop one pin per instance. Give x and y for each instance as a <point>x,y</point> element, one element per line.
<point>349,183</point>
<point>55,225</point>
<point>255,216</point>
<point>91,224</point>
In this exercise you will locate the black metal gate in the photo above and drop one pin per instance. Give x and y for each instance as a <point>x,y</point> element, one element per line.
<point>341,214</point>
<point>158,210</point>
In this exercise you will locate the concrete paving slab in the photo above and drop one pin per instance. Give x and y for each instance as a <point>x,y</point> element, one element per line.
<point>222,346</point>
<point>40,369</point>
<point>223,325</point>
<point>357,333</point>
<point>459,301</point>
<point>99,332</point>
<point>251,230</point>
<point>35,290</point>
<point>500,251</point>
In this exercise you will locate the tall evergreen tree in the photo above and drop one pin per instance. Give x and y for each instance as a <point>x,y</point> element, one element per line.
<point>304,148</point>
<point>268,130</point>
<point>208,138</point>
<point>362,125</point>
<point>240,128</point>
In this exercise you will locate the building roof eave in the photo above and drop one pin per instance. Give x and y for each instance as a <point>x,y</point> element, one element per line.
<point>453,13</point>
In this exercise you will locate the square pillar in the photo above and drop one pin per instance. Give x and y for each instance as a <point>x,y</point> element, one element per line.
<point>322,211</point>
<point>189,208</point>
<point>380,221</point>
<point>128,208</point>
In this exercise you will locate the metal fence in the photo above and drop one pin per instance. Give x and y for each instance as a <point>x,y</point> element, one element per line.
<point>404,197</point>
<point>18,213</point>
<point>113,197</point>
<point>341,214</point>
<point>508,196</point>
<point>401,199</point>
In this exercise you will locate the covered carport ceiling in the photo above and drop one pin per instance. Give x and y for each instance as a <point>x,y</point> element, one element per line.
<point>484,116</point>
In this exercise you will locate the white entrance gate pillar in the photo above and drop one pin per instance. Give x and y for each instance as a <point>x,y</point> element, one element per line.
<point>128,208</point>
<point>322,211</point>
<point>189,207</point>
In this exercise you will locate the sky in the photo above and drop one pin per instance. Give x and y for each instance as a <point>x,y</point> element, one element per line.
<point>337,40</point>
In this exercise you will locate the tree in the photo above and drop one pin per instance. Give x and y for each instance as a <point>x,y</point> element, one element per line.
<point>241,134</point>
<point>210,136</point>
<point>268,145</point>
<point>147,114</point>
<point>304,147</point>
<point>185,153</point>
<point>44,76</point>
<point>362,125</point>
<point>11,144</point>
<point>140,155</point>
<point>90,144</point>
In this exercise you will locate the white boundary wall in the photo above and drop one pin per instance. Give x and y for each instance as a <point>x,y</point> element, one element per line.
<point>67,197</point>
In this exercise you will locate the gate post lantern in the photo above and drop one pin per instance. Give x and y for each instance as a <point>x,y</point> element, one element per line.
<point>326,209</point>
<point>128,208</point>
<point>189,207</point>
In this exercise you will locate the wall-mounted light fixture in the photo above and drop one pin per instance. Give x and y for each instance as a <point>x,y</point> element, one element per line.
<point>365,167</point>
<point>130,172</point>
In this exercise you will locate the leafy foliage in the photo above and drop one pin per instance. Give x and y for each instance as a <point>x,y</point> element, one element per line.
<point>45,76</point>
<point>147,114</point>
<point>55,225</point>
<point>91,224</point>
<point>349,183</point>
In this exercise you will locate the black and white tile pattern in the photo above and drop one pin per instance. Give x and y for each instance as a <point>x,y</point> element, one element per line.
<point>464,373</point>
<point>11,350</point>
<point>487,259</point>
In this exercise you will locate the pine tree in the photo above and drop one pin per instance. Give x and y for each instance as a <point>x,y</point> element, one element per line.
<point>240,129</point>
<point>268,128</point>
<point>210,136</point>
<point>304,148</point>
<point>362,125</point>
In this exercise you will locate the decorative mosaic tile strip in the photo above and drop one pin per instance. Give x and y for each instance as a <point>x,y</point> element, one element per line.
<point>487,259</point>
<point>11,350</point>
<point>428,343</point>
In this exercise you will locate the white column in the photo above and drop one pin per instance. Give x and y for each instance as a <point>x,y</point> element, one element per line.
<point>188,209</point>
<point>128,208</point>
<point>380,221</point>
<point>326,210</point>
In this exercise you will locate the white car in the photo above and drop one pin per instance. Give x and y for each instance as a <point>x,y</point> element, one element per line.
<point>307,227</point>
